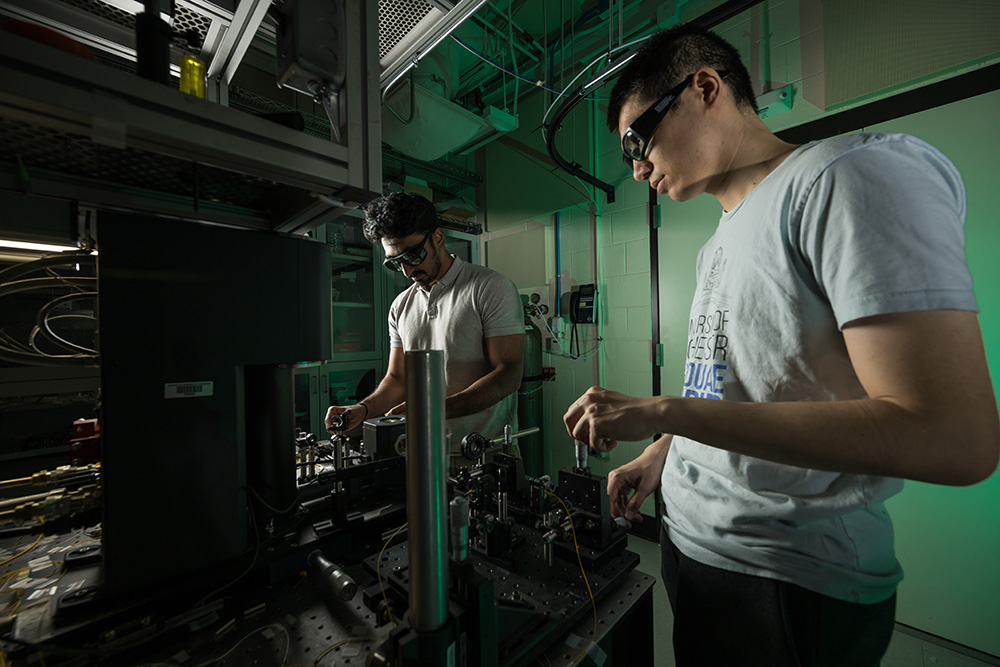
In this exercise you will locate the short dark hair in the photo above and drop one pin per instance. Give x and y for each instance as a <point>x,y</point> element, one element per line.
<point>397,215</point>
<point>671,55</point>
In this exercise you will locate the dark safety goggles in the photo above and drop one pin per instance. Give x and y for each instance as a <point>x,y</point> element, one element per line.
<point>639,135</point>
<point>412,256</point>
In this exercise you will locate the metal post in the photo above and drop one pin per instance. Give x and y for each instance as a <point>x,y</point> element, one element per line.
<point>459,528</point>
<point>426,486</point>
<point>338,456</point>
<point>581,455</point>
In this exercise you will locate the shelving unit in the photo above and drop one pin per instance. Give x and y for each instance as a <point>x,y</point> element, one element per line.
<point>95,133</point>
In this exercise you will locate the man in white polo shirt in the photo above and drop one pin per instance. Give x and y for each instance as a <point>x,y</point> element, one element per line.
<point>471,312</point>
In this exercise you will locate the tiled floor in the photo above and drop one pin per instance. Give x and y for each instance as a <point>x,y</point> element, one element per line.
<point>909,648</point>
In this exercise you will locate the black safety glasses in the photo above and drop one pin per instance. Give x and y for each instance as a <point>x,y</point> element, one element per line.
<point>412,256</point>
<point>639,135</point>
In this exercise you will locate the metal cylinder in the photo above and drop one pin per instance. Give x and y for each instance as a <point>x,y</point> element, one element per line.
<point>495,442</point>
<point>311,460</point>
<point>581,455</point>
<point>340,583</point>
<point>529,400</point>
<point>548,552</point>
<point>338,456</point>
<point>459,528</point>
<point>426,487</point>
<point>152,44</point>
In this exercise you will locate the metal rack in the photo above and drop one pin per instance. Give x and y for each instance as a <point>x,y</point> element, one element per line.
<point>76,129</point>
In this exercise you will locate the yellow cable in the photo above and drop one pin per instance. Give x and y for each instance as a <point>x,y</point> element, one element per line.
<point>23,552</point>
<point>378,566</point>
<point>345,641</point>
<point>89,539</point>
<point>13,610</point>
<point>13,572</point>
<point>582,571</point>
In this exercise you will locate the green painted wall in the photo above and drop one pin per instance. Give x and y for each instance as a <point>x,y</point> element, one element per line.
<point>948,539</point>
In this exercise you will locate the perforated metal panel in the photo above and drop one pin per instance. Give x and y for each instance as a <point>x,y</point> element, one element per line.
<point>871,48</point>
<point>187,20</point>
<point>105,11</point>
<point>72,154</point>
<point>396,18</point>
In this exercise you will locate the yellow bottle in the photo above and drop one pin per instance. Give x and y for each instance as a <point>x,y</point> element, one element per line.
<point>192,76</point>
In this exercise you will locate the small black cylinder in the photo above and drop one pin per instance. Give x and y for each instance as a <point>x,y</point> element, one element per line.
<point>152,45</point>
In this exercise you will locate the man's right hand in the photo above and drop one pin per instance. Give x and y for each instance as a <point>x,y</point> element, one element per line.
<point>352,415</point>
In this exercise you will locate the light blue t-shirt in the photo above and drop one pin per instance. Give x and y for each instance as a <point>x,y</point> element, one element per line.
<point>845,228</point>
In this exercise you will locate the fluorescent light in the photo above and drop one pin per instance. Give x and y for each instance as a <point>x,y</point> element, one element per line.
<point>45,247</point>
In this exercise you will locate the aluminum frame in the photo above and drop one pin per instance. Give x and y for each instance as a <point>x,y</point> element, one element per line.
<point>58,90</point>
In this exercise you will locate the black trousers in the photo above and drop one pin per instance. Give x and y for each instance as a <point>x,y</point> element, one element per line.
<point>727,619</point>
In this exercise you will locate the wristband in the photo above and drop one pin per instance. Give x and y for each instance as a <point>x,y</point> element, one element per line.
<point>366,411</point>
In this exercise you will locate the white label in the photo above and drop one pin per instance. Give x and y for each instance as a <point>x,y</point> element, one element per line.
<point>188,389</point>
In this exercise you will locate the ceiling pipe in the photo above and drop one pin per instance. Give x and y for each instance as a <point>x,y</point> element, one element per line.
<point>709,19</point>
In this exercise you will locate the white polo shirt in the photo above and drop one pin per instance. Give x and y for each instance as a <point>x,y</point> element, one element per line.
<point>469,304</point>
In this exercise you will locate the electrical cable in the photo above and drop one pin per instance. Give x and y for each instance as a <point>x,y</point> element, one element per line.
<point>176,622</point>
<point>486,59</point>
<point>607,55</point>
<point>513,58</point>
<point>27,284</point>
<point>340,643</point>
<point>17,481</point>
<point>52,274</point>
<point>222,658</point>
<point>294,505</point>
<point>15,557</point>
<point>43,318</point>
<point>378,574</point>
<point>52,336</point>
<point>10,340</point>
<point>537,313</point>
<point>8,286</point>
<point>43,360</point>
<point>576,545</point>
<point>59,259</point>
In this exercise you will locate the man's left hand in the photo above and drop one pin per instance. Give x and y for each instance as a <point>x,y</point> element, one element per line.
<point>398,410</point>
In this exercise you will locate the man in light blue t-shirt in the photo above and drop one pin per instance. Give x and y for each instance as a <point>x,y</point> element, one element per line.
<point>472,313</point>
<point>833,350</point>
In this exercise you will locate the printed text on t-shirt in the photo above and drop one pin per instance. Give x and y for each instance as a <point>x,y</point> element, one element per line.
<point>706,355</point>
